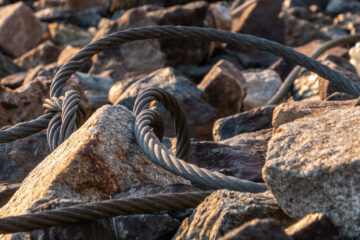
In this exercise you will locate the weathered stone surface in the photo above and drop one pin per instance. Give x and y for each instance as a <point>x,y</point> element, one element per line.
<point>219,16</point>
<point>225,88</point>
<point>224,210</point>
<point>338,6</point>
<point>7,66</point>
<point>250,121</point>
<point>326,88</point>
<point>242,156</point>
<point>259,229</point>
<point>129,59</point>
<point>45,53</point>
<point>52,14</point>
<point>262,19</point>
<point>261,87</point>
<point>13,81</point>
<point>18,158</point>
<point>20,30</point>
<point>314,226</point>
<point>288,112</point>
<point>6,191</point>
<point>98,160</point>
<point>67,34</point>
<point>76,5</point>
<point>200,115</point>
<point>312,167</point>
<point>67,53</point>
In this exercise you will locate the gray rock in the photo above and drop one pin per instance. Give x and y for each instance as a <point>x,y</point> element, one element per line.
<point>87,18</point>
<point>224,210</point>
<point>312,167</point>
<point>261,87</point>
<point>13,81</point>
<point>225,88</point>
<point>250,121</point>
<point>68,34</point>
<point>6,191</point>
<point>339,6</point>
<point>259,229</point>
<point>7,66</point>
<point>53,14</point>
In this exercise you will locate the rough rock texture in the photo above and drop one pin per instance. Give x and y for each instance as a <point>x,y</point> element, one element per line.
<point>7,66</point>
<point>18,158</point>
<point>261,86</point>
<point>98,160</point>
<point>314,226</point>
<point>13,81</point>
<point>6,191</point>
<point>243,158</point>
<point>67,34</point>
<point>67,53</point>
<point>44,53</point>
<point>200,115</point>
<point>326,88</point>
<point>262,19</point>
<point>312,166</point>
<point>225,88</point>
<point>259,229</point>
<point>20,30</point>
<point>224,210</point>
<point>250,121</point>
<point>288,112</point>
<point>76,5</point>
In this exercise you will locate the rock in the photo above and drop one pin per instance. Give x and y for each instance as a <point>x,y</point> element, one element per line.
<point>341,65</point>
<point>261,87</point>
<point>44,53</point>
<point>242,156</point>
<point>224,210</point>
<point>7,66</point>
<point>13,81</point>
<point>355,57</point>
<point>288,112</point>
<point>67,34</point>
<point>262,19</point>
<point>76,5</point>
<point>225,87</point>
<point>250,121</point>
<point>337,6</point>
<point>53,14</point>
<point>219,16</point>
<point>6,191</point>
<point>19,157</point>
<point>20,30</point>
<point>67,53</point>
<point>87,18</point>
<point>301,157</point>
<point>306,86</point>
<point>338,96</point>
<point>260,229</point>
<point>313,227</point>
<point>129,59</point>
<point>96,88</point>
<point>200,115</point>
<point>98,160</point>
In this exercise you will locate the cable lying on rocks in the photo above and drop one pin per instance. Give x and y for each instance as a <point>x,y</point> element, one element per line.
<point>66,111</point>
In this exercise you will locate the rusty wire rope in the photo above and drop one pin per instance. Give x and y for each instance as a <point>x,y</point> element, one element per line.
<point>66,110</point>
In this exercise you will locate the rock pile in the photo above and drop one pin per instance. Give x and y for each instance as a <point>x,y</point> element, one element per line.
<point>305,149</point>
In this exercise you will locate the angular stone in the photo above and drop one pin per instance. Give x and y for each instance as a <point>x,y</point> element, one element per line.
<point>98,160</point>
<point>225,88</point>
<point>7,66</point>
<point>338,6</point>
<point>44,53</point>
<point>219,16</point>
<point>6,191</point>
<point>262,19</point>
<point>261,87</point>
<point>312,167</point>
<point>260,229</point>
<point>200,115</point>
<point>67,53</point>
<point>79,5</point>
<point>250,121</point>
<point>326,88</point>
<point>224,210</point>
<point>67,34</point>
<point>313,226</point>
<point>20,30</point>
<point>19,157</point>
<point>288,112</point>
<point>242,156</point>
<point>13,81</point>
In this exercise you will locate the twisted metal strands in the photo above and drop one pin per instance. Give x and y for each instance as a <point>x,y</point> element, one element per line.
<point>164,158</point>
<point>204,34</point>
<point>105,209</point>
<point>143,101</point>
<point>25,129</point>
<point>289,81</point>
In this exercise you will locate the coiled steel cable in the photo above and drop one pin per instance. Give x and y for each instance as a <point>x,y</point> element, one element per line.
<point>289,81</point>
<point>105,209</point>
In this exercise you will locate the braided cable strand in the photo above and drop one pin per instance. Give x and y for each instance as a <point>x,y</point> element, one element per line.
<point>164,158</point>
<point>289,81</point>
<point>105,209</point>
